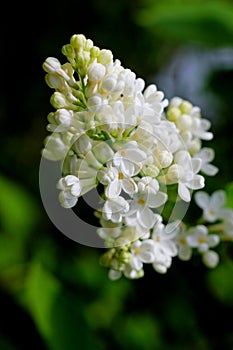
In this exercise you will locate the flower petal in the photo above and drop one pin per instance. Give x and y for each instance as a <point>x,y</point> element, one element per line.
<point>209,169</point>
<point>147,218</point>
<point>202,199</point>
<point>218,199</point>
<point>184,192</point>
<point>156,200</point>
<point>113,190</point>
<point>129,186</point>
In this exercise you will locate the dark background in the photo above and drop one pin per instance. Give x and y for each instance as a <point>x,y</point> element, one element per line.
<point>54,295</point>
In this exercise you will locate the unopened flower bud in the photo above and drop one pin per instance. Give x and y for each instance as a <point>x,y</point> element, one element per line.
<point>96,72</point>
<point>210,258</point>
<point>173,114</point>
<point>94,52</point>
<point>64,117</point>
<point>83,144</point>
<point>68,51</point>
<point>184,122</point>
<point>105,56</point>
<point>186,107</point>
<point>103,152</point>
<point>88,45</point>
<point>165,158</point>
<point>58,100</point>
<point>51,65</point>
<point>150,170</point>
<point>77,41</point>
<point>109,83</point>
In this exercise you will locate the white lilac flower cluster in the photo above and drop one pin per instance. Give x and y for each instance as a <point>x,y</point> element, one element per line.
<point>145,154</point>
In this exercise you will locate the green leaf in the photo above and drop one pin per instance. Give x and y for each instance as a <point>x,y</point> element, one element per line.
<point>220,282</point>
<point>209,22</point>
<point>57,314</point>
<point>18,210</point>
<point>138,331</point>
<point>229,193</point>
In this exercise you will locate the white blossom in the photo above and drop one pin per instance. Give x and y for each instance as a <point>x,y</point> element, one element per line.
<point>206,154</point>
<point>70,190</point>
<point>184,172</point>
<point>213,205</point>
<point>199,238</point>
<point>115,208</point>
<point>129,158</point>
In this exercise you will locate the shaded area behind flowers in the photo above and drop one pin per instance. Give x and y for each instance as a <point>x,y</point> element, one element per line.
<point>55,289</point>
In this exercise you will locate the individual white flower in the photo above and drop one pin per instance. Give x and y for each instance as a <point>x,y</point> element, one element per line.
<point>207,155</point>
<point>149,106</point>
<point>164,237</point>
<point>198,237</point>
<point>227,222</point>
<point>184,250</point>
<point>200,127</point>
<point>70,190</point>
<point>212,206</point>
<point>114,209</point>
<point>142,252</point>
<point>129,159</point>
<point>140,214</point>
<point>148,185</point>
<point>118,183</point>
<point>184,172</point>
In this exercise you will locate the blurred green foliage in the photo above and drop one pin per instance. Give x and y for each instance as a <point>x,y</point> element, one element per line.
<point>209,23</point>
<point>53,293</point>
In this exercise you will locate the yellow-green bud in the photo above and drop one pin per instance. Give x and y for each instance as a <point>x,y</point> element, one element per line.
<point>173,113</point>
<point>88,45</point>
<point>105,56</point>
<point>94,52</point>
<point>150,170</point>
<point>105,259</point>
<point>77,41</point>
<point>58,100</point>
<point>185,107</point>
<point>124,257</point>
<point>68,51</point>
